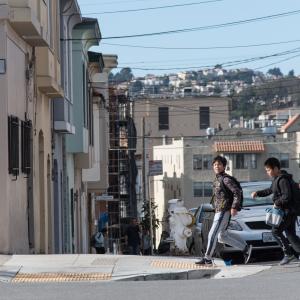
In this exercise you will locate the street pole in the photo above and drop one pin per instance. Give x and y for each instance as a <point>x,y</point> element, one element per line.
<point>150,220</point>
<point>146,185</point>
<point>144,160</point>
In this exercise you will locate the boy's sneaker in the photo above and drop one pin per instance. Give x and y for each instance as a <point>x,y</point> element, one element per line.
<point>204,262</point>
<point>247,253</point>
<point>287,259</point>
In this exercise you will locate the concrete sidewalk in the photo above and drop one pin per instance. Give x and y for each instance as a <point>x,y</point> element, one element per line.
<point>92,267</point>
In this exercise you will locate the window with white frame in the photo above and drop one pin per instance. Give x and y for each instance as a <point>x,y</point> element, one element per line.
<point>245,161</point>
<point>197,162</point>
<point>198,189</point>
<point>207,161</point>
<point>202,189</point>
<point>202,161</point>
<point>207,189</point>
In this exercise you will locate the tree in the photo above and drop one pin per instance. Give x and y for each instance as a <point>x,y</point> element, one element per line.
<point>146,220</point>
<point>125,75</point>
<point>136,86</point>
<point>291,73</point>
<point>275,72</point>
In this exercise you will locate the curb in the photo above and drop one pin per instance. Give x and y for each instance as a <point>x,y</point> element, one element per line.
<point>185,275</point>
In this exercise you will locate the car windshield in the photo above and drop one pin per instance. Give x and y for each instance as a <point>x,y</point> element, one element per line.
<point>249,201</point>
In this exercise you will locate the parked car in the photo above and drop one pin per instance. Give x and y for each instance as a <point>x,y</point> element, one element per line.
<point>249,223</point>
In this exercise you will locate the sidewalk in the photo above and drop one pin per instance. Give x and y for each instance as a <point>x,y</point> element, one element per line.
<point>92,267</point>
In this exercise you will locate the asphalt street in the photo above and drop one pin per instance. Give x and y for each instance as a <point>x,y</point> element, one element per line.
<point>275,283</point>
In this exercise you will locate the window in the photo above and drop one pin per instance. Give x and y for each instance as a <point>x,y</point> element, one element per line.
<point>202,189</point>
<point>245,161</point>
<point>207,162</point>
<point>204,117</point>
<point>197,162</point>
<point>198,189</point>
<point>240,161</point>
<point>253,161</point>
<point>207,189</point>
<point>13,145</point>
<point>283,158</point>
<point>26,146</point>
<point>123,185</point>
<point>163,118</point>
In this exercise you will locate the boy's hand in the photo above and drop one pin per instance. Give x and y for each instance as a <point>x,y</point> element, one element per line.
<point>254,194</point>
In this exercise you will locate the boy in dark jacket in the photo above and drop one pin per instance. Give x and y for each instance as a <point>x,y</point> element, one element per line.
<point>282,196</point>
<point>225,207</point>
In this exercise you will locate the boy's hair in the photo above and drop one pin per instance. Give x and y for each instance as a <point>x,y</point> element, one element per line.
<point>272,162</point>
<point>220,159</point>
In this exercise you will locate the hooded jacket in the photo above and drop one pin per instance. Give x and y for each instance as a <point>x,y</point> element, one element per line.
<point>281,190</point>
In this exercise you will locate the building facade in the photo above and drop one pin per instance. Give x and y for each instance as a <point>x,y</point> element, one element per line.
<point>29,34</point>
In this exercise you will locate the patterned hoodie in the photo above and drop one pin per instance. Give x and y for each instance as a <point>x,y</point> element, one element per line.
<point>221,201</point>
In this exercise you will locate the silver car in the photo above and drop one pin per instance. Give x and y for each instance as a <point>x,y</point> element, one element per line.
<point>249,223</point>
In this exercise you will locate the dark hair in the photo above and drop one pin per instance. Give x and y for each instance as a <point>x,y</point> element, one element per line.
<point>220,159</point>
<point>272,162</point>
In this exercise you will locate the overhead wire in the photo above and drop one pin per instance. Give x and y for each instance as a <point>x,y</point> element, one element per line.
<point>224,64</point>
<point>152,8</point>
<point>204,48</point>
<point>200,28</point>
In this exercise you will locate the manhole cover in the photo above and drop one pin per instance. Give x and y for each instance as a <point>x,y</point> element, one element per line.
<point>60,277</point>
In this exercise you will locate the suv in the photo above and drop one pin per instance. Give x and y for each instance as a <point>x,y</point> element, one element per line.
<point>249,223</point>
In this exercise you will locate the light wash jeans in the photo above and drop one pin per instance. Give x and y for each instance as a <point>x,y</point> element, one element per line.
<point>218,232</point>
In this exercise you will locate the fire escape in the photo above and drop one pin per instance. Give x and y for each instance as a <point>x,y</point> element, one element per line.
<point>122,165</point>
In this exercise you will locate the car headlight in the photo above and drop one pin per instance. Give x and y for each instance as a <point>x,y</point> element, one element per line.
<point>234,225</point>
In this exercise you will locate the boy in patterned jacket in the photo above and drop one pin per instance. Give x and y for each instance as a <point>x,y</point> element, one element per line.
<point>226,206</point>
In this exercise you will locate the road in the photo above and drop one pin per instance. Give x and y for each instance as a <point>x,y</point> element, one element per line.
<point>276,283</point>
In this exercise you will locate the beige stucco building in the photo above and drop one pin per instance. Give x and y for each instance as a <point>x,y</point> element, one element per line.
<point>29,79</point>
<point>166,118</point>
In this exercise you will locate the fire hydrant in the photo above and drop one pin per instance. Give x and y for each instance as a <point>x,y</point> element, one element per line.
<point>180,220</point>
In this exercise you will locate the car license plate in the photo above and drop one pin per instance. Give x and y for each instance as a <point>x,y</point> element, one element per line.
<point>268,237</point>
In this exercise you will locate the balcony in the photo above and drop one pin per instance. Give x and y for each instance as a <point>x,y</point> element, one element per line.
<point>28,18</point>
<point>48,73</point>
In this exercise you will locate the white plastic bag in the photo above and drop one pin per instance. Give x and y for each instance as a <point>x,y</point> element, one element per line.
<point>274,216</point>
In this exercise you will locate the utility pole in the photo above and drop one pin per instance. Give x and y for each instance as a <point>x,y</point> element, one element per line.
<point>146,185</point>
<point>144,160</point>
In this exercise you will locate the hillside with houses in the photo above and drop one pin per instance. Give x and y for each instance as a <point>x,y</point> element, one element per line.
<point>252,92</point>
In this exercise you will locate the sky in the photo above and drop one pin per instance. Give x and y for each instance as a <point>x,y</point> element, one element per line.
<point>144,61</point>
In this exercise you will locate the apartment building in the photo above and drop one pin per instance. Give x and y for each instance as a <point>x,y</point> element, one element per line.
<point>165,119</point>
<point>29,79</point>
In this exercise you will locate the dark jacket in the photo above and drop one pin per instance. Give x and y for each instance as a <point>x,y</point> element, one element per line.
<point>281,190</point>
<point>221,201</point>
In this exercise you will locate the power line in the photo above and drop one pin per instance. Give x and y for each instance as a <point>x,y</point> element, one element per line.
<point>277,62</point>
<point>184,30</point>
<point>203,48</point>
<point>224,64</point>
<point>152,8</point>
<point>114,2</point>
